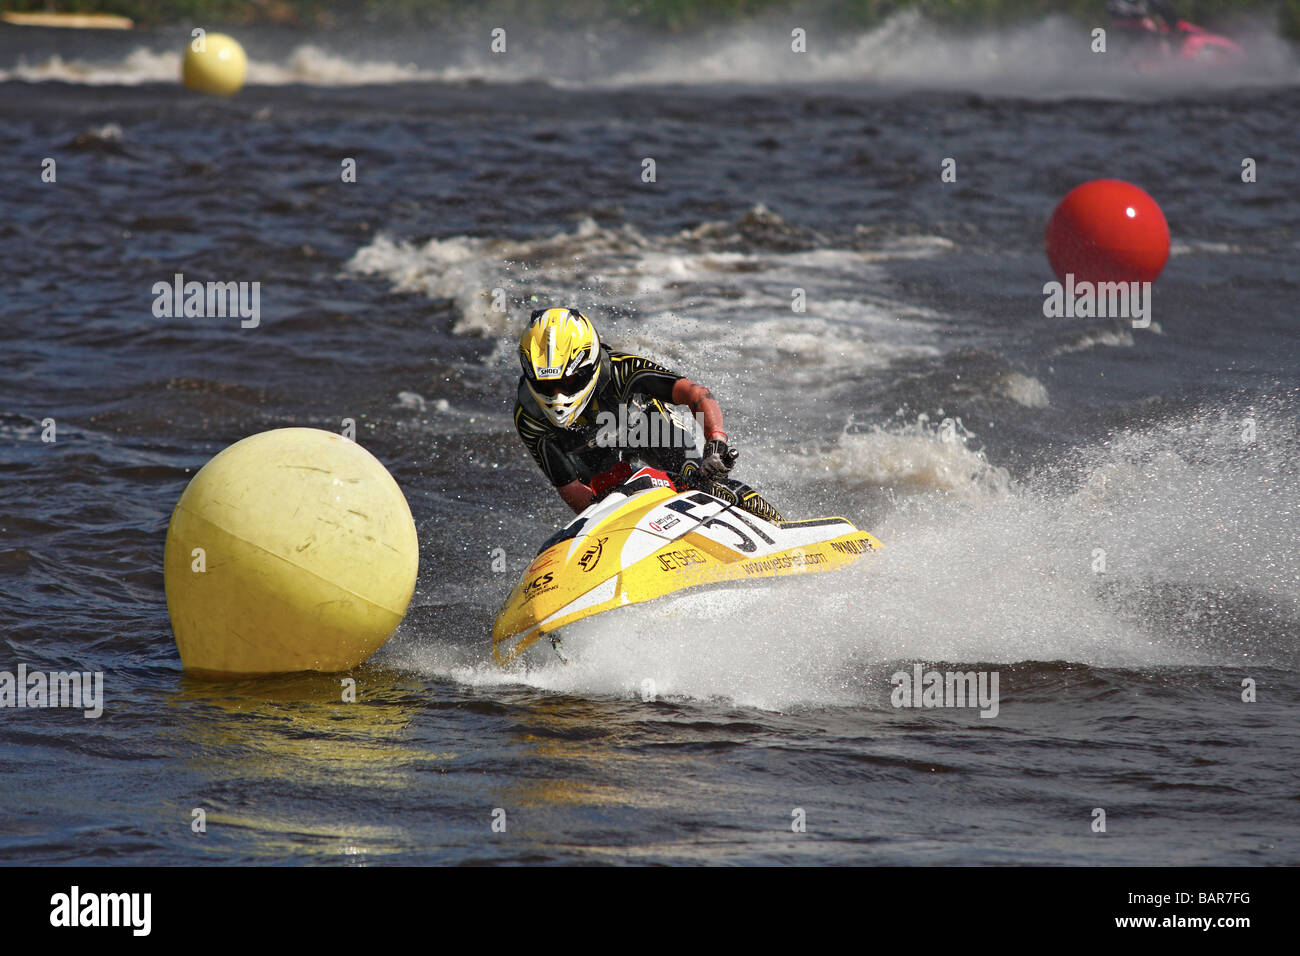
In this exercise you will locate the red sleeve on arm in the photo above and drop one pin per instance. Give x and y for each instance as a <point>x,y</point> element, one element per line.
<point>576,495</point>
<point>701,402</point>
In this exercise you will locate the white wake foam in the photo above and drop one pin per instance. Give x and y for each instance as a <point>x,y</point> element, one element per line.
<point>726,311</point>
<point>1049,58</point>
<point>1066,565</point>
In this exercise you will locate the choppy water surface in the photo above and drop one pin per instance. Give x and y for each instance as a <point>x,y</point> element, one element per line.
<point>1171,452</point>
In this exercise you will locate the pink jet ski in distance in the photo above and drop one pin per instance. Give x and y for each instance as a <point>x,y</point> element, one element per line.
<point>1153,36</point>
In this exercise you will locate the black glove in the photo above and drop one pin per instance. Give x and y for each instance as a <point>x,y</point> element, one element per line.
<point>718,458</point>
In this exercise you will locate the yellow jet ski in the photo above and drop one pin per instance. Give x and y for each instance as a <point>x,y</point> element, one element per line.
<point>646,539</point>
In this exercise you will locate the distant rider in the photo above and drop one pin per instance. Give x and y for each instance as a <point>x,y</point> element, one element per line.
<point>570,378</point>
<point>1144,20</point>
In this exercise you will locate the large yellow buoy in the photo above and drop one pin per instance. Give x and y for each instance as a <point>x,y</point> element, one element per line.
<point>218,67</point>
<point>293,549</point>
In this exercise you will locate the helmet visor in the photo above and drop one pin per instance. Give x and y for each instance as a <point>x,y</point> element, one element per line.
<point>569,385</point>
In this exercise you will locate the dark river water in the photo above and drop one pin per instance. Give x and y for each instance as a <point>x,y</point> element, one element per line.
<point>1106,518</point>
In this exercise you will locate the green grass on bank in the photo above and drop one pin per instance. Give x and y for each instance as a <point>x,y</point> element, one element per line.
<point>664,15</point>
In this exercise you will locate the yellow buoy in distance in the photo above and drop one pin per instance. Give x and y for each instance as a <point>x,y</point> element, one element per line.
<point>293,549</point>
<point>214,63</point>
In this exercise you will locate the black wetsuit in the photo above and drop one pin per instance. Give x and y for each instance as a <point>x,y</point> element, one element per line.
<point>628,386</point>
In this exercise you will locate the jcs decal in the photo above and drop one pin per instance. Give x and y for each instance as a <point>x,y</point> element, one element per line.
<point>537,585</point>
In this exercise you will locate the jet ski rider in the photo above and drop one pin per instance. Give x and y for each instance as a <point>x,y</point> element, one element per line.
<point>573,386</point>
<point>1151,17</point>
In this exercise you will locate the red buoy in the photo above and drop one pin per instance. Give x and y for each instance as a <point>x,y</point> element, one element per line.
<point>1108,230</point>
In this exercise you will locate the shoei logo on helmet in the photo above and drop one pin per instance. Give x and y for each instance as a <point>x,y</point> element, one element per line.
<point>550,371</point>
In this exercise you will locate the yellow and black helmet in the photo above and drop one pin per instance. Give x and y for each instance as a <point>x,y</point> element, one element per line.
<point>560,354</point>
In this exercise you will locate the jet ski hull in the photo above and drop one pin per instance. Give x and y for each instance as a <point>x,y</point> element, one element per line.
<point>632,548</point>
